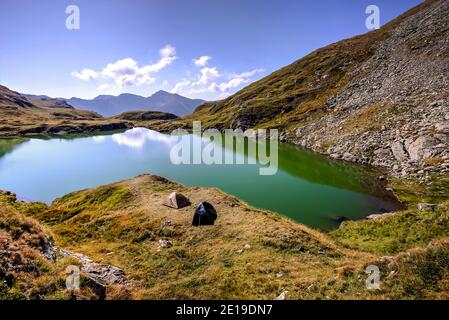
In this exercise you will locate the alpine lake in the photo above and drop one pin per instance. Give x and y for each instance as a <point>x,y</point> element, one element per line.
<point>308,188</point>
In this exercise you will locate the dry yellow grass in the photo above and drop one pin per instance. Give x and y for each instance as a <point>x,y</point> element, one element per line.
<point>247,254</point>
<point>210,262</point>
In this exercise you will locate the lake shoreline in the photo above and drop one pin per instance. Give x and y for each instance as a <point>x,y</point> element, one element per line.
<point>341,175</point>
<point>105,125</point>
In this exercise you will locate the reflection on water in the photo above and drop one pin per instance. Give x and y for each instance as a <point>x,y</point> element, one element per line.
<point>308,188</point>
<point>137,137</point>
<point>8,144</point>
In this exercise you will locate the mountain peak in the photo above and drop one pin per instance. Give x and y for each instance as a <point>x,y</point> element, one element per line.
<point>161,93</point>
<point>129,95</point>
<point>99,97</point>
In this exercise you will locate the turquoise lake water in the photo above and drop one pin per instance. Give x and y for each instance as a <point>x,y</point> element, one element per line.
<point>308,188</point>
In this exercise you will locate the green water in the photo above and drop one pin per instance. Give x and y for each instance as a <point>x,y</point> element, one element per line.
<point>308,188</point>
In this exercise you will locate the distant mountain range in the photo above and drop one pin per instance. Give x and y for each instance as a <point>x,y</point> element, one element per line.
<point>108,105</point>
<point>163,101</point>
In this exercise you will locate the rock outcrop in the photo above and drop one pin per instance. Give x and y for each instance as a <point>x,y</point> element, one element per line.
<point>102,274</point>
<point>394,113</point>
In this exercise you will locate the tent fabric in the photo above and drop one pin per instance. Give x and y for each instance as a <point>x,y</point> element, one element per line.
<point>205,215</point>
<point>177,201</point>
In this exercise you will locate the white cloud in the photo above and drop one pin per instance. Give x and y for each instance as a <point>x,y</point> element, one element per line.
<point>104,87</point>
<point>121,70</point>
<point>179,87</point>
<point>168,51</point>
<point>238,80</point>
<point>249,74</point>
<point>145,79</point>
<point>233,83</point>
<point>85,75</point>
<point>213,87</point>
<point>212,83</point>
<point>198,90</point>
<point>137,137</point>
<point>207,75</point>
<point>168,55</point>
<point>127,72</point>
<point>202,61</point>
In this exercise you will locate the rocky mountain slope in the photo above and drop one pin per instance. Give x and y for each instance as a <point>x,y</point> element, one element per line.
<point>380,98</point>
<point>162,101</point>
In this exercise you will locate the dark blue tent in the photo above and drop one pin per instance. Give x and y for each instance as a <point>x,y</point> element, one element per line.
<point>205,215</point>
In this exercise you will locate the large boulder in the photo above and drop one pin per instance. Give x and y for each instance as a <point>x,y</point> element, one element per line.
<point>422,148</point>
<point>424,206</point>
<point>399,152</point>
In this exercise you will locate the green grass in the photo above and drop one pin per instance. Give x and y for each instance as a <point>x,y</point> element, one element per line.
<point>70,205</point>
<point>411,192</point>
<point>405,229</point>
<point>396,233</point>
<point>418,273</point>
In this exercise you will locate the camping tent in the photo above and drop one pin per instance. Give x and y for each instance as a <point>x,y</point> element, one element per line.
<point>205,215</point>
<point>177,201</point>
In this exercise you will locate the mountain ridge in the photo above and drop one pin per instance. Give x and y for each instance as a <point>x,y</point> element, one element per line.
<point>110,105</point>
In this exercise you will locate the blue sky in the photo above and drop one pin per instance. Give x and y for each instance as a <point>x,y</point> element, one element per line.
<point>141,46</point>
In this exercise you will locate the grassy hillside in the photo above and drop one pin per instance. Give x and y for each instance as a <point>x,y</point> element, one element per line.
<point>298,92</point>
<point>122,224</point>
<point>247,254</point>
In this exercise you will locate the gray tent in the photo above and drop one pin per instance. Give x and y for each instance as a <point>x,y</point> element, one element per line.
<point>177,201</point>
